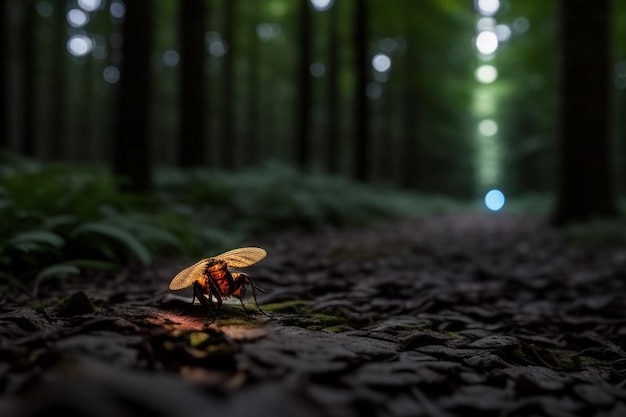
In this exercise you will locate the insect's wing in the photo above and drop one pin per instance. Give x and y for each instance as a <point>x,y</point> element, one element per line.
<point>242,257</point>
<point>188,276</point>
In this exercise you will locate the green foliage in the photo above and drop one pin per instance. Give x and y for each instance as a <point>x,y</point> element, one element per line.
<point>63,221</point>
<point>275,197</point>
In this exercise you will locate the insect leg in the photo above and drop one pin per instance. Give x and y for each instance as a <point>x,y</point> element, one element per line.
<point>241,295</point>
<point>254,295</point>
<point>213,289</point>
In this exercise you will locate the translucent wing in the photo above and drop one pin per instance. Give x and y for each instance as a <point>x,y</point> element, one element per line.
<point>188,276</point>
<point>242,257</point>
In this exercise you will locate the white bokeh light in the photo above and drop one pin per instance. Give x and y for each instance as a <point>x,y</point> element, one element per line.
<point>487,42</point>
<point>488,7</point>
<point>503,32</point>
<point>77,18</point>
<point>486,74</point>
<point>79,45</point>
<point>321,5</point>
<point>488,127</point>
<point>381,62</point>
<point>89,5</point>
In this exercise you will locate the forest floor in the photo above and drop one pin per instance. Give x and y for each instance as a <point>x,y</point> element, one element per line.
<point>490,315</point>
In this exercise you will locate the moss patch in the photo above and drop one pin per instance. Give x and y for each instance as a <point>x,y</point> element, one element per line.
<point>291,306</point>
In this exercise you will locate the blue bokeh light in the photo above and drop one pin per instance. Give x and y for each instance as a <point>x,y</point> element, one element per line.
<point>494,199</point>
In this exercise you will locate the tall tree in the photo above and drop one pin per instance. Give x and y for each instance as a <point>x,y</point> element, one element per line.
<point>585,188</point>
<point>29,96</point>
<point>131,142</point>
<point>253,146</point>
<point>4,131</point>
<point>333,91</point>
<point>410,165</point>
<point>193,102</point>
<point>362,150</point>
<point>228,139</point>
<point>304,87</point>
<point>58,73</point>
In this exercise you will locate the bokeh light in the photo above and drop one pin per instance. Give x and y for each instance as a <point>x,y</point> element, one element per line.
<point>495,199</point>
<point>268,31</point>
<point>488,7</point>
<point>486,74</point>
<point>321,5</point>
<point>521,24</point>
<point>488,127</point>
<point>77,18</point>
<point>503,32</point>
<point>111,74</point>
<point>171,58</point>
<point>381,62</point>
<point>79,45</point>
<point>487,42</point>
<point>89,5</point>
<point>117,9</point>
<point>317,69</point>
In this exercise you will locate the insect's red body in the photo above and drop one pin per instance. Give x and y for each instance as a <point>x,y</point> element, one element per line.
<point>212,280</point>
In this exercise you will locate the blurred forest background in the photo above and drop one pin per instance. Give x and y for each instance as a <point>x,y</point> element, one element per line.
<point>234,117</point>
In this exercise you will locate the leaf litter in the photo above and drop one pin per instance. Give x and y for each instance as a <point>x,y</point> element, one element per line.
<point>451,315</point>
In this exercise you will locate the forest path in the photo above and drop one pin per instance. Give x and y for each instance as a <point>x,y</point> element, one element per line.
<point>492,314</point>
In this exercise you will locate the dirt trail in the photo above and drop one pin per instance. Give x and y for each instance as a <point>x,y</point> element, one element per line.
<point>496,315</point>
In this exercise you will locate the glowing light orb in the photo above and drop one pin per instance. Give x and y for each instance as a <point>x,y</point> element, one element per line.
<point>494,199</point>
<point>486,74</point>
<point>488,7</point>
<point>487,42</point>
<point>381,62</point>
<point>321,5</point>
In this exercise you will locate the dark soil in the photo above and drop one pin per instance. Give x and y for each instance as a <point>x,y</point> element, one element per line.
<point>463,315</point>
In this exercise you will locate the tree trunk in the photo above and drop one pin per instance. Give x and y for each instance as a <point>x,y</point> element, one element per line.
<point>29,79</point>
<point>193,102</point>
<point>132,156</point>
<point>253,147</point>
<point>58,147</point>
<point>303,98</point>
<point>585,186</point>
<point>334,154</point>
<point>361,105</point>
<point>4,96</point>
<point>228,138</point>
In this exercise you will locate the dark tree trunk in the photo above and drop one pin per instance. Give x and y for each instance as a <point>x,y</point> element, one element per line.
<point>228,139</point>
<point>585,187</point>
<point>362,148</point>
<point>132,150</point>
<point>253,147</point>
<point>334,154</point>
<point>303,98</point>
<point>4,109</point>
<point>58,147</point>
<point>29,76</point>
<point>193,102</point>
<point>410,173</point>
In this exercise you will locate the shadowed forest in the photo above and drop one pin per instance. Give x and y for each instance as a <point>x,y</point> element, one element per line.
<point>438,187</point>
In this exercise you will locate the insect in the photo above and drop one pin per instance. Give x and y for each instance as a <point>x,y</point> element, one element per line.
<point>211,278</point>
